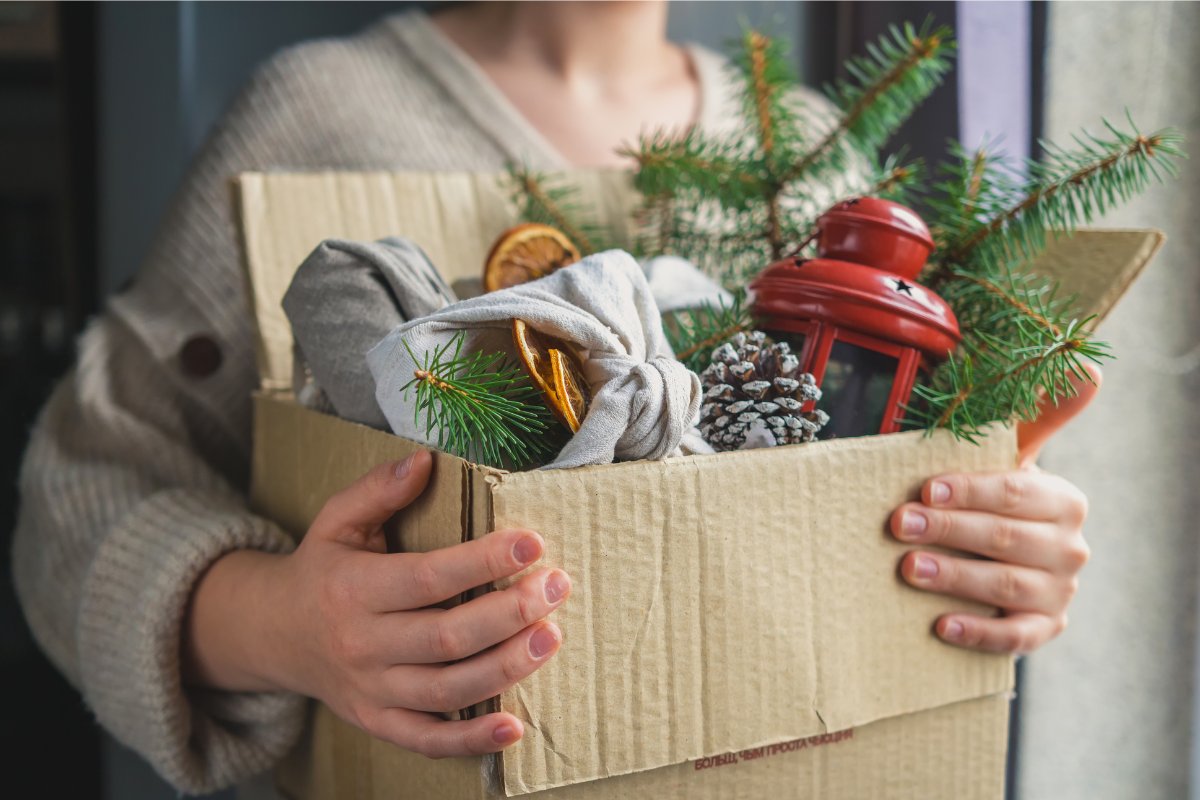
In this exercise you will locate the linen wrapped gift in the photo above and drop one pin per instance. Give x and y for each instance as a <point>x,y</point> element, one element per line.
<point>644,402</point>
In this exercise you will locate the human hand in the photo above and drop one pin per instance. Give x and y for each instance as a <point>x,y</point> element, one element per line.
<point>1026,523</point>
<point>364,637</point>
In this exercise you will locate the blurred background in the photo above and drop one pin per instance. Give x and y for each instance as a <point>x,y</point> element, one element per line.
<point>102,106</point>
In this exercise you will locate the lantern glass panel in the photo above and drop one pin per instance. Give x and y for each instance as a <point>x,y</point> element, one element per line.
<point>855,390</point>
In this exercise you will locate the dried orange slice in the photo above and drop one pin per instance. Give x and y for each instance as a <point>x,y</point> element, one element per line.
<point>568,387</point>
<point>525,253</point>
<point>556,371</point>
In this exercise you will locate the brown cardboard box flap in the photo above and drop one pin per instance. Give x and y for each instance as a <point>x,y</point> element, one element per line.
<point>720,603</point>
<point>454,216</point>
<point>1098,266</point>
<point>724,603</point>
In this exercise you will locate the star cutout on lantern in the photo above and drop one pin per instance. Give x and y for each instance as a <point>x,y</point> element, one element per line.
<point>901,286</point>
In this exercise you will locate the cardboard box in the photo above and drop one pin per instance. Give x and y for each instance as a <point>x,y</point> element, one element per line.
<point>736,627</point>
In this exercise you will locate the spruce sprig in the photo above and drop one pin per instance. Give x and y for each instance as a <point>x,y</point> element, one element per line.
<point>972,187</point>
<point>991,381</point>
<point>1066,189</point>
<point>694,332</point>
<point>670,166</point>
<point>552,201</point>
<point>733,204</point>
<point>1021,335</point>
<point>894,180</point>
<point>883,90</point>
<point>482,407</point>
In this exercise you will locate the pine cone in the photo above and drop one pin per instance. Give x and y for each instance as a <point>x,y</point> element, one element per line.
<point>755,388</point>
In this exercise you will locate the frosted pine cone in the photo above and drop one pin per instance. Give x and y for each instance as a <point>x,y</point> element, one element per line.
<point>755,388</point>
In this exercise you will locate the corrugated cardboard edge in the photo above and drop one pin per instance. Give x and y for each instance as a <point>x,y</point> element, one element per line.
<point>292,435</point>
<point>602,709</point>
<point>283,216</point>
<point>1099,265</point>
<point>954,752</point>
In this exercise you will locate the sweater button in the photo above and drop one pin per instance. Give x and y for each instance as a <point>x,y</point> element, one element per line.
<point>200,357</point>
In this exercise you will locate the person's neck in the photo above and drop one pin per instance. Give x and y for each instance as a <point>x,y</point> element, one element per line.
<point>581,42</point>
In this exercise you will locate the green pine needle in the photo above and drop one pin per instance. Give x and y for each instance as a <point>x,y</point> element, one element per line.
<point>482,407</point>
<point>694,332</point>
<point>1067,189</point>
<point>734,204</point>
<point>895,180</point>
<point>1022,338</point>
<point>676,166</point>
<point>987,382</point>
<point>555,203</point>
<point>883,90</point>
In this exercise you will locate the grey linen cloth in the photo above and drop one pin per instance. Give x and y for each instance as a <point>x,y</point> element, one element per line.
<point>643,403</point>
<point>343,299</point>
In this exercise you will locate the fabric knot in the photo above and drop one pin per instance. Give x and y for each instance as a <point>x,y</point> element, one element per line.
<point>643,400</point>
<point>665,401</point>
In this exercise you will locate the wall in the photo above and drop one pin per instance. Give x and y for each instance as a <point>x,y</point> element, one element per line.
<point>1109,708</point>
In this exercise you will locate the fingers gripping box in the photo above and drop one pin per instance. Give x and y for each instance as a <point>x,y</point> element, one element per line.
<point>736,626</point>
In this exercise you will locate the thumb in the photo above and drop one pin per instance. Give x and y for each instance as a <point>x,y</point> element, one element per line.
<point>356,514</point>
<point>1032,436</point>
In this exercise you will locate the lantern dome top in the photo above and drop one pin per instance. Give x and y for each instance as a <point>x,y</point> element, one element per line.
<point>856,297</point>
<point>877,233</point>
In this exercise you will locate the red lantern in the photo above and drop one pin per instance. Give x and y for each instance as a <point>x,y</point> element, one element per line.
<point>860,322</point>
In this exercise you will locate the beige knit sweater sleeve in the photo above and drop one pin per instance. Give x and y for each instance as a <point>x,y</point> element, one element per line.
<point>136,473</point>
<point>134,478</point>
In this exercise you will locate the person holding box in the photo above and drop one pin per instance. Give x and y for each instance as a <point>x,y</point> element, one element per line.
<point>194,629</point>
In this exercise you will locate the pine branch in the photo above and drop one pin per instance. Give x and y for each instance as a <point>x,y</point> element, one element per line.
<point>675,167</point>
<point>1024,309</point>
<point>763,91</point>
<point>693,333</point>
<point>1070,188</point>
<point>894,180</point>
<point>541,201</point>
<point>973,187</point>
<point>988,383</point>
<point>975,181</point>
<point>766,77</point>
<point>884,90</point>
<point>482,407</point>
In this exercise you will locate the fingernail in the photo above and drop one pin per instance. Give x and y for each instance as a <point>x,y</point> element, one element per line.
<point>503,734</point>
<point>953,630</point>
<point>913,524</point>
<point>557,584</point>
<point>527,549</point>
<point>405,467</point>
<point>543,641</point>
<point>939,492</point>
<point>925,568</point>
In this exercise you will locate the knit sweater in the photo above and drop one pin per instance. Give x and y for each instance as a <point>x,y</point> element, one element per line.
<point>135,478</point>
